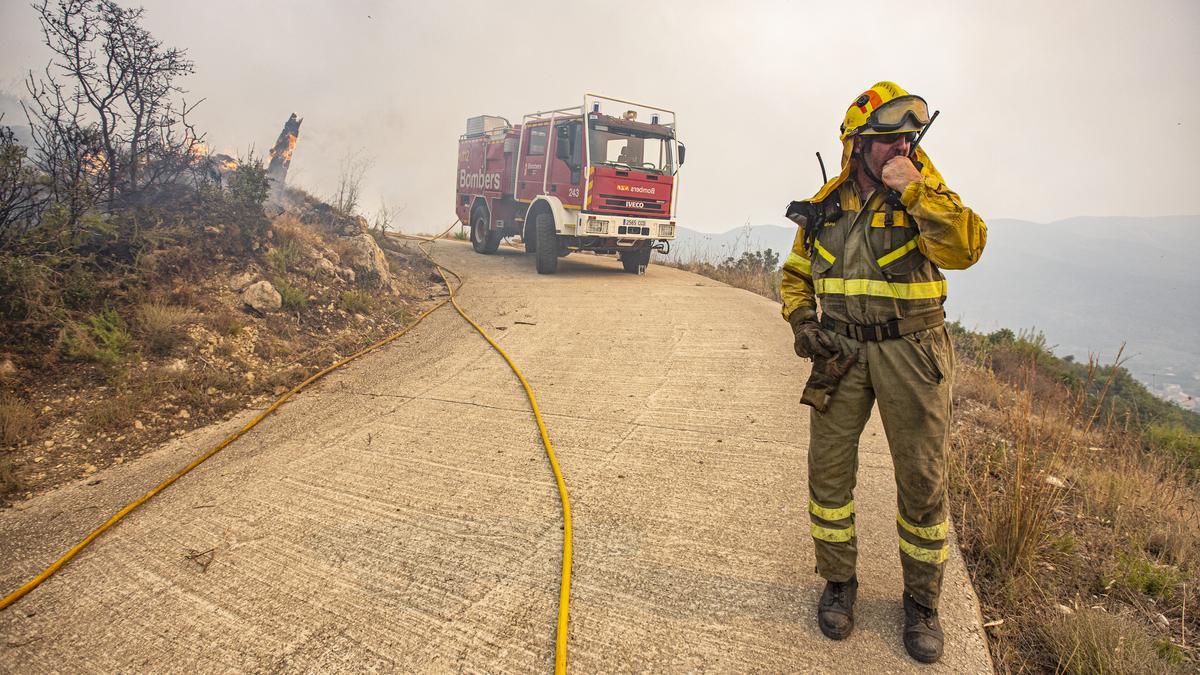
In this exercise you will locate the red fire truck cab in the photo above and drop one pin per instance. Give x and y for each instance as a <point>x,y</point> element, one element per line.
<point>600,177</point>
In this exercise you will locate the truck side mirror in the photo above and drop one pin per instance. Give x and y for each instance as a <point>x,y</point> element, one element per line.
<point>682,153</point>
<point>562,149</point>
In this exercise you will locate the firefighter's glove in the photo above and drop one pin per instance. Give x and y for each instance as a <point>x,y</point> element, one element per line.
<point>801,213</point>
<point>812,340</point>
<point>827,373</point>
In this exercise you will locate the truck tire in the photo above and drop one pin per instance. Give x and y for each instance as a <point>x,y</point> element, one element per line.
<point>483,240</point>
<point>547,243</point>
<point>636,262</point>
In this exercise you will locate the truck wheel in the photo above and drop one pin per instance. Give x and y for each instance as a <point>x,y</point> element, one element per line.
<point>636,262</point>
<point>483,240</point>
<point>547,243</point>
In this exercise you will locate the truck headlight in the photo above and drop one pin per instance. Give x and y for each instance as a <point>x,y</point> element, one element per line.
<point>666,230</point>
<point>597,226</point>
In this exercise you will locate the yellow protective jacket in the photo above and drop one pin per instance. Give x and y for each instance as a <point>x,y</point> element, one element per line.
<point>870,267</point>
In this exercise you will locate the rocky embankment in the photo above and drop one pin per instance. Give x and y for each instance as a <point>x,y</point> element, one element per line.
<point>200,335</point>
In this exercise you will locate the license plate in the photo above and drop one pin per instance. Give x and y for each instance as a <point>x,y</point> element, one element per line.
<point>633,222</point>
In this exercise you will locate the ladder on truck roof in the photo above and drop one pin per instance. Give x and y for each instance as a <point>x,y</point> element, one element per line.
<point>549,116</point>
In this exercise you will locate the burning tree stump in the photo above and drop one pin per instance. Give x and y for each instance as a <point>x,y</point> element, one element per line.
<point>281,154</point>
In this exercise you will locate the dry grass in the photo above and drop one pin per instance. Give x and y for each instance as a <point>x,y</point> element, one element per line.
<point>196,389</point>
<point>755,281</point>
<point>114,413</point>
<point>139,395</point>
<point>288,230</point>
<point>16,420</point>
<point>161,326</point>
<point>17,424</point>
<point>28,292</point>
<point>225,322</point>
<point>270,348</point>
<point>1094,641</point>
<point>292,242</point>
<point>1010,488</point>
<point>1059,504</point>
<point>754,271</point>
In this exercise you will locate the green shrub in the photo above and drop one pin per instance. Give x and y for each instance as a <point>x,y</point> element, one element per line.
<point>1064,544</point>
<point>284,257</point>
<point>238,206</point>
<point>102,338</point>
<point>358,302</point>
<point>1165,426</point>
<point>27,289</point>
<point>1146,576</point>
<point>293,298</point>
<point>1174,438</point>
<point>1170,652</point>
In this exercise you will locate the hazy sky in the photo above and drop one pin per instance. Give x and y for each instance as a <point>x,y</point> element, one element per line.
<point>1049,110</point>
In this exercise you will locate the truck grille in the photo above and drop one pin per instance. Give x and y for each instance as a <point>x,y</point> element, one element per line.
<point>627,204</point>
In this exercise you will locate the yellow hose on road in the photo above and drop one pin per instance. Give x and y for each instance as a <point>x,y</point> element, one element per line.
<point>66,557</point>
<point>564,586</point>
<point>564,595</point>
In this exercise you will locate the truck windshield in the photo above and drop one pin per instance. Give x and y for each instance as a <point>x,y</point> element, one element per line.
<point>626,147</point>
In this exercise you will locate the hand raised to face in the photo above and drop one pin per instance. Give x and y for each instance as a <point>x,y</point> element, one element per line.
<point>899,172</point>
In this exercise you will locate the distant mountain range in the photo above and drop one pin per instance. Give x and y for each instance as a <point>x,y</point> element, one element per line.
<point>1087,283</point>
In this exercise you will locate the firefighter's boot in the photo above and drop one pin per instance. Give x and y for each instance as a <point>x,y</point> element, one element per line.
<point>835,611</point>
<point>923,637</point>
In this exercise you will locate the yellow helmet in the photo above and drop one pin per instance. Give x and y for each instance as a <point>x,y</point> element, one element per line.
<point>885,108</point>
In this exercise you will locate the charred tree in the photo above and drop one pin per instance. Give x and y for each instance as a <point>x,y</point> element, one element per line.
<point>281,154</point>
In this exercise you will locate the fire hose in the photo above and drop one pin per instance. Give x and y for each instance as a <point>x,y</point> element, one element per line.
<point>564,596</point>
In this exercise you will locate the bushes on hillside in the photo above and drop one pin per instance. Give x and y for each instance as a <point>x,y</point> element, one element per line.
<point>113,182</point>
<point>1026,360</point>
<point>755,271</point>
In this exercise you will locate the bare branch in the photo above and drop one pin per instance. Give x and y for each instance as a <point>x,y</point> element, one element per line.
<point>107,104</point>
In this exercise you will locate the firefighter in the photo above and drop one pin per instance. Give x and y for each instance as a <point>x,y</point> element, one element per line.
<point>870,247</point>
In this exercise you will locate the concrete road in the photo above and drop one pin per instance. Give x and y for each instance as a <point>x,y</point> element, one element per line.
<point>402,516</point>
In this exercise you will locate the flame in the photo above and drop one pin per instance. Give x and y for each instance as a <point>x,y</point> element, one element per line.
<point>281,153</point>
<point>284,148</point>
<point>203,155</point>
<point>94,164</point>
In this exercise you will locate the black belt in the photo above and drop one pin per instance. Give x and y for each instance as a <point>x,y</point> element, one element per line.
<point>878,332</point>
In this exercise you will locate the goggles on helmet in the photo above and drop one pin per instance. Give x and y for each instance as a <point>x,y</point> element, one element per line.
<point>896,113</point>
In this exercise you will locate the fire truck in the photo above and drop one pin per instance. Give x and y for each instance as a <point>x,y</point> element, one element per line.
<point>600,177</point>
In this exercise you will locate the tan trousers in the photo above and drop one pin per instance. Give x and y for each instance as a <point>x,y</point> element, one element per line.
<point>910,378</point>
